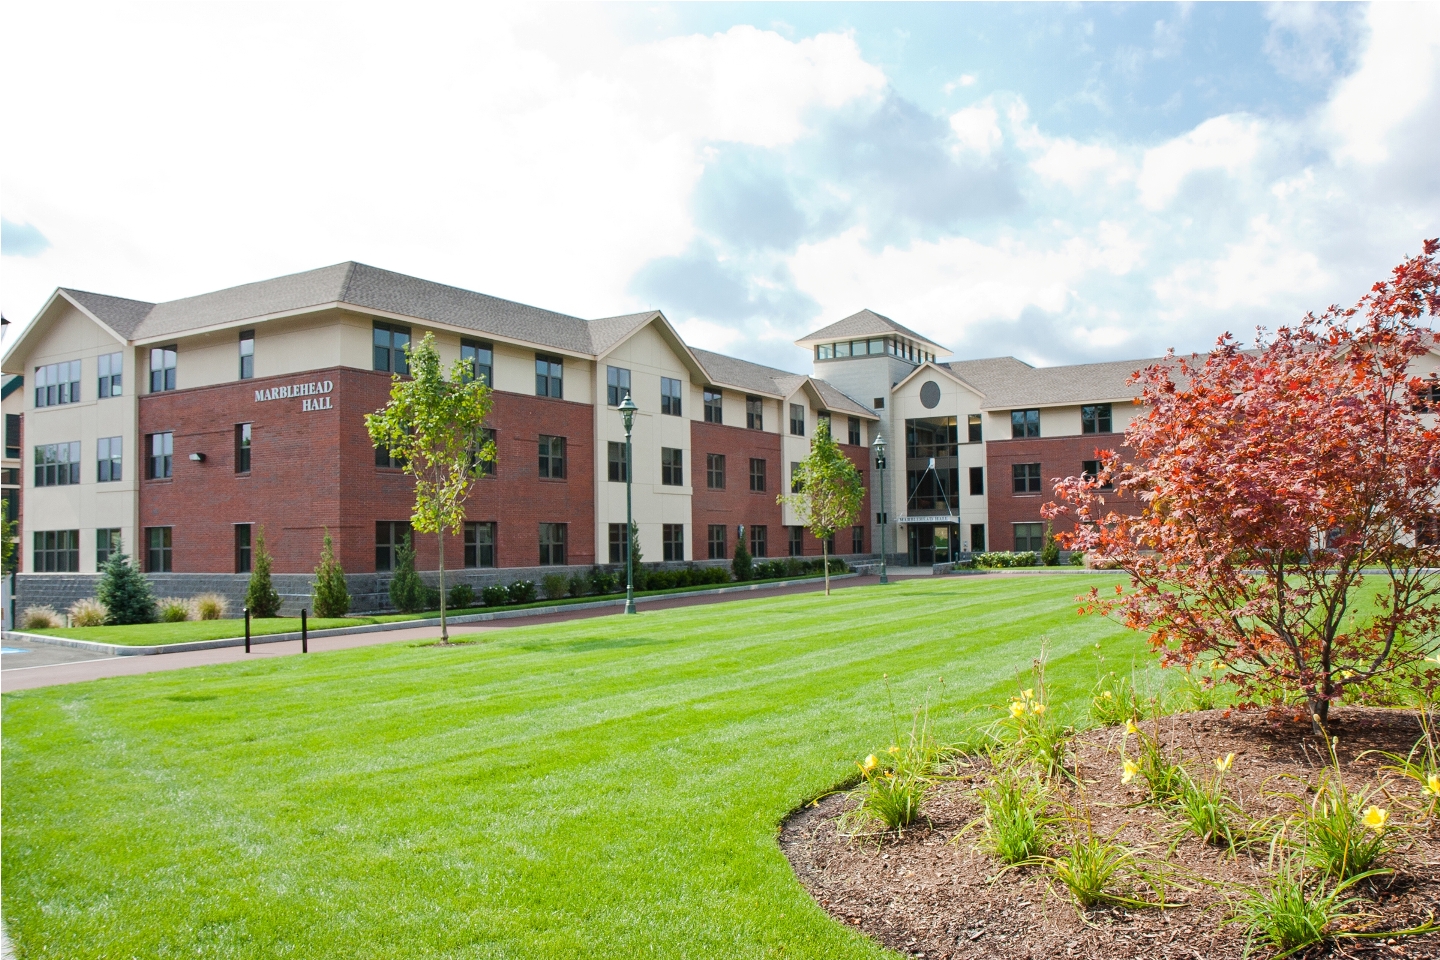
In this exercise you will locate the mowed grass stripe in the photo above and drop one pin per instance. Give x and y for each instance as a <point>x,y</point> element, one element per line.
<point>602,788</point>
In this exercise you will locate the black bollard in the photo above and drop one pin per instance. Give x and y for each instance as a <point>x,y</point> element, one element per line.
<point>247,629</point>
<point>304,633</point>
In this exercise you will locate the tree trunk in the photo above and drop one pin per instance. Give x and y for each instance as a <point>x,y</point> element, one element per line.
<point>825,553</point>
<point>1319,716</point>
<point>444,627</point>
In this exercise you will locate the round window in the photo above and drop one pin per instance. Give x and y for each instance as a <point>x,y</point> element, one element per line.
<point>930,394</point>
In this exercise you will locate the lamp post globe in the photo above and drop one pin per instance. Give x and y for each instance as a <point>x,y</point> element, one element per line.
<point>627,417</point>
<point>879,447</point>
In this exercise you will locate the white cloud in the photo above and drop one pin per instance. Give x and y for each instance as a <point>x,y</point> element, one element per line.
<point>1261,269</point>
<point>977,129</point>
<point>964,80</point>
<point>1227,143</point>
<point>1394,84</point>
<point>1074,164</point>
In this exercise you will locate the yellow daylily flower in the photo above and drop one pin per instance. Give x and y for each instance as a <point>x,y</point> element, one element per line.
<point>1130,727</point>
<point>1107,695</point>
<point>1131,768</point>
<point>871,762</point>
<point>1432,786</point>
<point>1038,709</point>
<point>1223,763</point>
<point>1374,819</point>
<point>1029,694</point>
<point>1017,709</point>
<point>893,750</point>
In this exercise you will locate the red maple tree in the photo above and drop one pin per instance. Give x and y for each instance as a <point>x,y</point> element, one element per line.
<point>1287,501</point>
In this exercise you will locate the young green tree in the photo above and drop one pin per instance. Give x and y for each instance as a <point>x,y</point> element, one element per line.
<point>260,596</point>
<point>332,596</point>
<point>407,590</point>
<point>433,425</point>
<point>125,591</point>
<point>830,491</point>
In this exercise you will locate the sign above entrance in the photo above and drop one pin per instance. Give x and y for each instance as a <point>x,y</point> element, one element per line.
<point>311,395</point>
<point>938,518</point>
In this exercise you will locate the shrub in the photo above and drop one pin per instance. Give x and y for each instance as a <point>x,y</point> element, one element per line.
<point>260,597</point>
<point>1050,550</point>
<point>332,595</point>
<point>173,609</point>
<point>522,591</point>
<point>602,581</point>
<point>1077,558</point>
<point>124,591</point>
<point>407,590</point>
<point>554,585</point>
<point>88,613</point>
<point>40,618</point>
<point>495,595</point>
<point>211,606</point>
<point>1002,561</point>
<point>742,565</point>
<point>460,596</point>
<point>579,585</point>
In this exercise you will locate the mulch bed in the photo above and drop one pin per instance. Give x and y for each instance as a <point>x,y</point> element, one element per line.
<point>926,896</point>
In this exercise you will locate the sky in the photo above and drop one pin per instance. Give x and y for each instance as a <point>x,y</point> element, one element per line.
<point>1062,183</point>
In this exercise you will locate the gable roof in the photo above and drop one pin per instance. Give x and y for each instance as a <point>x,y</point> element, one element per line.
<point>1008,383</point>
<point>751,377</point>
<point>866,323</point>
<point>121,315</point>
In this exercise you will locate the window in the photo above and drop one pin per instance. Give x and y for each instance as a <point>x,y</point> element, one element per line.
<point>1091,469</point>
<point>714,405</point>
<point>242,447</point>
<point>977,537</point>
<point>552,457</point>
<point>392,349</point>
<point>759,541</point>
<point>1027,477</point>
<point>1428,534</point>
<point>825,351</point>
<point>57,464</point>
<point>977,481</point>
<point>857,539</point>
<point>796,541</point>
<point>162,369</point>
<point>854,431</point>
<point>715,541</point>
<point>795,485</point>
<point>247,354</point>
<point>615,453</point>
<point>483,468</point>
<point>10,503</point>
<point>57,383</point>
<point>1024,423</point>
<point>389,537</point>
<point>754,413</point>
<point>552,544</point>
<point>57,551</point>
<point>107,454</point>
<point>479,359</point>
<point>1029,536</point>
<point>973,421</point>
<point>842,349</point>
<point>617,385</point>
<point>672,469</point>
<point>672,536</point>
<point>1095,418</point>
<point>242,548</point>
<point>479,544</point>
<point>715,471</point>
<point>549,376</point>
<point>757,475</point>
<point>107,541</point>
<point>797,420</point>
<point>1428,399</point>
<point>669,397</point>
<point>619,543</point>
<point>383,458</point>
<point>162,451</point>
<point>879,403</point>
<point>110,380</point>
<point>157,553</point>
<point>12,436</point>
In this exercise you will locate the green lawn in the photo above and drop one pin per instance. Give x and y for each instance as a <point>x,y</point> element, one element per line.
<point>604,788</point>
<point>189,631</point>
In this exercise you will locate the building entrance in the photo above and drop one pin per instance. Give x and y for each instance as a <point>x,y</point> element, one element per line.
<point>934,543</point>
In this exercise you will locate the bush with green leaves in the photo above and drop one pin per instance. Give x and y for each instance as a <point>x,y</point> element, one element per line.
<point>743,564</point>
<point>1004,560</point>
<point>460,596</point>
<point>88,613</point>
<point>125,592</point>
<point>522,591</point>
<point>261,598</point>
<point>603,581</point>
<point>554,585</point>
<point>578,585</point>
<point>1050,549</point>
<point>495,595</point>
<point>332,594</point>
<point>407,590</point>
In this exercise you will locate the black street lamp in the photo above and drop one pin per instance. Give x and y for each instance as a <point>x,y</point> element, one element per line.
<point>879,447</point>
<point>627,415</point>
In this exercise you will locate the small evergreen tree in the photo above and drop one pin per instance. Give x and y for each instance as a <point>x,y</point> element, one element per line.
<point>125,591</point>
<point>260,597</point>
<point>742,566</point>
<point>407,590</point>
<point>1050,552</point>
<point>332,597</point>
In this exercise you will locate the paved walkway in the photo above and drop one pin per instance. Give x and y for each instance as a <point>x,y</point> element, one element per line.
<point>44,665</point>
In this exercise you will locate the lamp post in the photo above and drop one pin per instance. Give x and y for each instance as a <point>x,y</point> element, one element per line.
<point>879,446</point>
<point>627,416</point>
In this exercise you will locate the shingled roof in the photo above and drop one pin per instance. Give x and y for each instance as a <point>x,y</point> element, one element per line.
<point>866,323</point>
<point>121,315</point>
<point>758,378</point>
<point>1008,383</point>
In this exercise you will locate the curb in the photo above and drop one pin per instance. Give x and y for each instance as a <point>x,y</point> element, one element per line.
<point>122,650</point>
